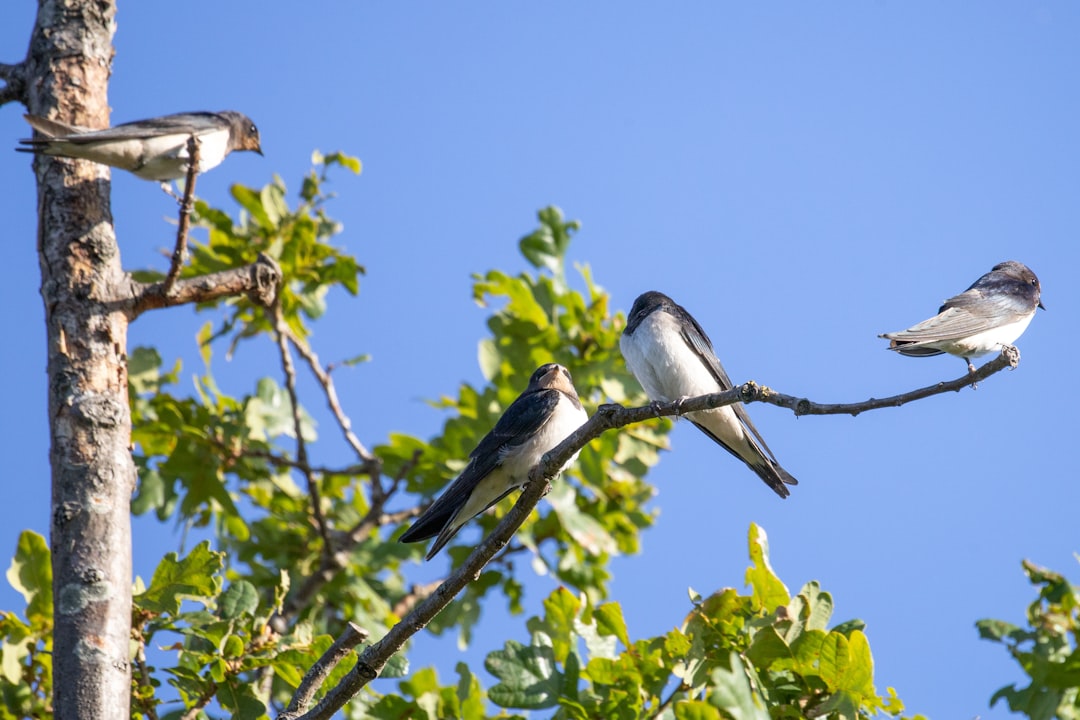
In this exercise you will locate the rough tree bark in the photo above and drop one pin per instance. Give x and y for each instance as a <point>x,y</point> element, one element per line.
<point>66,77</point>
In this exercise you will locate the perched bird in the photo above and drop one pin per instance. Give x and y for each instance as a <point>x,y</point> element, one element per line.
<point>154,149</point>
<point>989,315</point>
<point>538,420</point>
<point>672,358</point>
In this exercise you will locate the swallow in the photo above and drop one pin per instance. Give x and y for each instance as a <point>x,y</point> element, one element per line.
<point>154,149</point>
<point>989,315</point>
<point>672,357</point>
<point>538,420</point>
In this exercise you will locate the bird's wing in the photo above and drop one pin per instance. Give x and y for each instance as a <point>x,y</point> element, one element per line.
<point>699,342</point>
<point>969,313</point>
<point>525,416</point>
<point>198,122</point>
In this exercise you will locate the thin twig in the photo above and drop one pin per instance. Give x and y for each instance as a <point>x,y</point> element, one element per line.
<point>330,565</point>
<point>180,252</point>
<point>259,281</point>
<point>327,383</point>
<point>352,636</point>
<point>282,330</point>
<point>607,417</point>
<point>284,462</point>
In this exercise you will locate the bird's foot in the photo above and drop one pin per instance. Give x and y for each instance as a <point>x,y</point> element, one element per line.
<point>166,187</point>
<point>655,405</point>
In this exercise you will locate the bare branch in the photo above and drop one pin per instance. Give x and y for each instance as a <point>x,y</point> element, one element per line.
<point>1009,358</point>
<point>327,383</point>
<point>282,330</point>
<point>352,636</point>
<point>259,281</point>
<point>180,252</point>
<point>14,77</point>
<point>607,417</point>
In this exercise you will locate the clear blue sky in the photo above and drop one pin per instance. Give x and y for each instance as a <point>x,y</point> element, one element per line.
<point>800,176</point>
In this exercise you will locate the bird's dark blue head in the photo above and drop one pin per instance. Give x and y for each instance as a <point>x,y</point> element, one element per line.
<point>1014,279</point>
<point>646,304</point>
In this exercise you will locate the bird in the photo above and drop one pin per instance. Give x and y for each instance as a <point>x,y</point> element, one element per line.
<point>672,357</point>
<point>154,149</point>
<point>989,315</point>
<point>539,419</point>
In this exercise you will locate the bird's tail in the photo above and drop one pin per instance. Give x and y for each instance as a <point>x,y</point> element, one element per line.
<point>775,477</point>
<point>53,128</point>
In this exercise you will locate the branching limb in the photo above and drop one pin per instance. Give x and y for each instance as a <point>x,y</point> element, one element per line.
<point>330,565</point>
<point>180,252</point>
<point>375,656</point>
<point>607,417</point>
<point>14,78</point>
<point>259,281</point>
<point>342,647</point>
<point>281,328</point>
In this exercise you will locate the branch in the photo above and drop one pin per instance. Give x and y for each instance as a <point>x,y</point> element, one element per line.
<point>606,417</point>
<point>342,647</point>
<point>180,252</point>
<point>281,328</point>
<point>14,77</point>
<point>376,655</point>
<point>1009,358</point>
<point>284,462</point>
<point>323,376</point>
<point>330,565</point>
<point>259,281</point>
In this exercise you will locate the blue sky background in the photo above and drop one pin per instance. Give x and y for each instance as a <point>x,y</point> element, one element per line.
<point>800,176</point>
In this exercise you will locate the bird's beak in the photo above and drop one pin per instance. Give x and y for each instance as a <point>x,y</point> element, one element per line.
<point>259,150</point>
<point>1041,306</point>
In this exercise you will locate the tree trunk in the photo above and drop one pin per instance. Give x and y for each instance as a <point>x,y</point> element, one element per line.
<point>67,73</point>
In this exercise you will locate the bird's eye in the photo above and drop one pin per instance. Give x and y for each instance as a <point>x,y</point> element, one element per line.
<point>253,130</point>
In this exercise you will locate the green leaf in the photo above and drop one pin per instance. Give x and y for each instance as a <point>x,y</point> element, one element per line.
<point>609,621</point>
<point>527,676</point>
<point>586,530</point>
<point>769,591</point>
<point>240,598</point>
<point>695,710</point>
<point>175,580</point>
<point>733,693</point>
<point>470,694</point>
<point>30,574</point>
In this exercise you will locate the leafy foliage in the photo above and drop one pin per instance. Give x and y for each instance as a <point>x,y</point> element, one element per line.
<point>239,623</point>
<point>739,656</point>
<point>1047,650</point>
<point>26,645</point>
